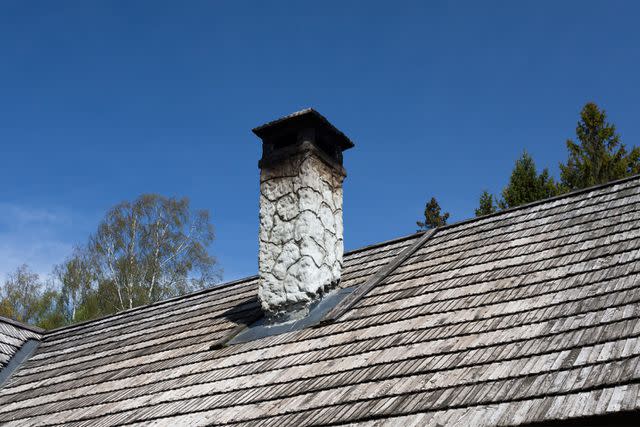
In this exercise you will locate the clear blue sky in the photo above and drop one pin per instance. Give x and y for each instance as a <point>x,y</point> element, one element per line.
<point>102,101</point>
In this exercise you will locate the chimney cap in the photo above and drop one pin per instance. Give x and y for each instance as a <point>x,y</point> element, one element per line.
<point>301,119</point>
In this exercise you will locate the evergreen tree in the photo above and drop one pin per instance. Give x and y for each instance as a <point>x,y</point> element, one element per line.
<point>525,185</point>
<point>487,206</point>
<point>598,157</point>
<point>432,216</point>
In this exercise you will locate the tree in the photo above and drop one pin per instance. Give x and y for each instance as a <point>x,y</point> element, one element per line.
<point>148,250</point>
<point>432,216</point>
<point>599,157</point>
<point>487,206</point>
<point>143,251</point>
<point>525,185</point>
<point>76,278</point>
<point>25,298</point>
<point>20,295</point>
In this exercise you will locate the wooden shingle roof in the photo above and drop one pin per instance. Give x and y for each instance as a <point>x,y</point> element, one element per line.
<point>13,335</point>
<point>529,315</point>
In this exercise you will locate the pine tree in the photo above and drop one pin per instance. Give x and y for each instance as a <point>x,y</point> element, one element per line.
<point>432,216</point>
<point>525,185</point>
<point>487,206</point>
<point>598,157</point>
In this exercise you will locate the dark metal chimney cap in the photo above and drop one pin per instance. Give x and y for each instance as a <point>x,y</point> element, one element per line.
<point>293,123</point>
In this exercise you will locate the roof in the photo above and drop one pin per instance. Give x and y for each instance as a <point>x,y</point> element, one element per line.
<point>13,335</point>
<point>529,315</point>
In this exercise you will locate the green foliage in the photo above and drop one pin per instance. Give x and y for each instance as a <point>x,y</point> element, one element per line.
<point>151,249</point>
<point>143,251</point>
<point>599,157</point>
<point>486,205</point>
<point>49,315</point>
<point>525,185</point>
<point>25,298</point>
<point>76,276</point>
<point>432,216</point>
<point>20,295</point>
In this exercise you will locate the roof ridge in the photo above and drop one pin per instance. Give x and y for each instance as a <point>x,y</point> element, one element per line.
<point>207,290</point>
<point>353,251</point>
<point>154,304</point>
<point>543,201</point>
<point>496,214</point>
<point>385,243</point>
<point>384,271</point>
<point>22,325</point>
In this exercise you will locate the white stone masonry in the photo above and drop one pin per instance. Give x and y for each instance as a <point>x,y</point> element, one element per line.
<point>301,244</point>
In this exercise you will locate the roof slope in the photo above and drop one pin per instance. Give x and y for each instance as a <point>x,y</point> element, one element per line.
<point>12,336</point>
<point>529,315</point>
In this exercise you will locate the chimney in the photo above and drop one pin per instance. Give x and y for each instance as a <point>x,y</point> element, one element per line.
<point>301,242</point>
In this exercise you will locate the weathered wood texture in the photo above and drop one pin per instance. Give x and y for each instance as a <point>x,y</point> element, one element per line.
<point>12,336</point>
<point>530,315</point>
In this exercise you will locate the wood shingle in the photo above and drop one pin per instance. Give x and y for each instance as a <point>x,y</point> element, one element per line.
<point>529,315</point>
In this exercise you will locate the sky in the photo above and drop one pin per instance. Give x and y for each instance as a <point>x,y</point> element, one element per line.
<point>101,101</point>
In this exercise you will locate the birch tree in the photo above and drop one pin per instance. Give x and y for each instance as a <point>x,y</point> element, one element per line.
<point>27,299</point>
<point>20,295</point>
<point>151,249</point>
<point>76,279</point>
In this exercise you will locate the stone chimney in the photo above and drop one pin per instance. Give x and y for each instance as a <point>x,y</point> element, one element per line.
<point>301,244</point>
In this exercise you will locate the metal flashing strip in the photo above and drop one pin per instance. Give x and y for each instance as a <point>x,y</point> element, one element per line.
<point>375,280</point>
<point>261,328</point>
<point>238,330</point>
<point>322,312</point>
<point>20,356</point>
